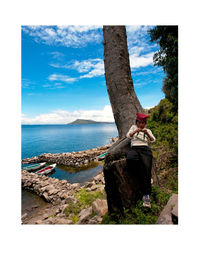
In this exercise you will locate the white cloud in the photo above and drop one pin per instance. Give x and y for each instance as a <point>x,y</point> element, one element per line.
<point>57,55</point>
<point>63,116</point>
<point>149,107</point>
<point>141,51</point>
<point>68,36</point>
<point>93,67</point>
<point>81,29</point>
<point>27,84</point>
<point>60,77</point>
<point>137,61</point>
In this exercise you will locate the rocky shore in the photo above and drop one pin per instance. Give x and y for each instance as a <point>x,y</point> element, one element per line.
<point>74,159</point>
<point>66,201</point>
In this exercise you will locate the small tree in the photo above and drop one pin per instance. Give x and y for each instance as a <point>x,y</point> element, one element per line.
<point>167,57</point>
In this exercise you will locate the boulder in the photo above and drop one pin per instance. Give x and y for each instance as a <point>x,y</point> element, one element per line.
<point>95,220</point>
<point>94,187</point>
<point>174,213</point>
<point>88,184</point>
<point>45,195</point>
<point>63,221</point>
<point>24,216</point>
<point>100,207</point>
<point>53,191</point>
<point>166,216</point>
<point>98,178</point>
<point>39,222</point>
<point>84,215</point>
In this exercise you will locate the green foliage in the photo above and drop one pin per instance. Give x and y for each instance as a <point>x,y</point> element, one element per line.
<point>164,124</point>
<point>139,214</point>
<point>86,198</point>
<point>167,57</point>
<point>74,218</point>
<point>72,208</point>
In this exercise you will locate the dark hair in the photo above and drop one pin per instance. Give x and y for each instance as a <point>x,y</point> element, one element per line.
<point>138,120</point>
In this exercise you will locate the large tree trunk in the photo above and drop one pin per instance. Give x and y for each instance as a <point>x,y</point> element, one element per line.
<point>123,99</point>
<point>121,185</point>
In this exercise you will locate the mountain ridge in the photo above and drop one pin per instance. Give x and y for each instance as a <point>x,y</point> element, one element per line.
<point>84,121</point>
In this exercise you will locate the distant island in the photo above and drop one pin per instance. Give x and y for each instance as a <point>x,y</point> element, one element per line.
<point>83,121</point>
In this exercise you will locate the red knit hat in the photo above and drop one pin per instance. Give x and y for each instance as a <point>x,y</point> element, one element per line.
<point>141,117</point>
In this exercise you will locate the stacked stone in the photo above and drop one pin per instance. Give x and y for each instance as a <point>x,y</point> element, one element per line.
<point>74,159</point>
<point>51,189</point>
<point>60,194</point>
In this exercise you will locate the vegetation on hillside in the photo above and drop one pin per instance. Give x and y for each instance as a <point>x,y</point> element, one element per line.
<point>164,124</point>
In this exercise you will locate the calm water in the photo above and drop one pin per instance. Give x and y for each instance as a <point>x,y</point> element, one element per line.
<point>38,139</point>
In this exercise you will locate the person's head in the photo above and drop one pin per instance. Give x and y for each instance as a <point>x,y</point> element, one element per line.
<point>141,120</point>
<point>141,124</point>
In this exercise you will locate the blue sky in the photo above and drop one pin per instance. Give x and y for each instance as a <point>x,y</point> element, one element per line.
<point>63,73</point>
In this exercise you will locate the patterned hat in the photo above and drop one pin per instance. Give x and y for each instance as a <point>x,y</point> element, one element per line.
<point>141,117</point>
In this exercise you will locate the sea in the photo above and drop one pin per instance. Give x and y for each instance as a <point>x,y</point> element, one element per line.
<point>39,139</point>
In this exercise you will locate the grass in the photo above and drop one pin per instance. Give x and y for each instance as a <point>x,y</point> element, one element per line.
<point>85,200</point>
<point>139,214</point>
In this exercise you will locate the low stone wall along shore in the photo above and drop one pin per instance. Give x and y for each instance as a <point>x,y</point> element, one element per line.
<point>62,195</point>
<point>74,159</point>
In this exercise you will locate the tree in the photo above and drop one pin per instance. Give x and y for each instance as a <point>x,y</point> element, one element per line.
<point>123,99</point>
<point>122,188</point>
<point>167,57</point>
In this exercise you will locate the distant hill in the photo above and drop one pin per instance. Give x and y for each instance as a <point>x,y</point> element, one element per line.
<point>83,121</point>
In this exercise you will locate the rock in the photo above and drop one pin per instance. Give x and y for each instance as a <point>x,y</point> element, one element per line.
<point>95,220</point>
<point>64,196</point>
<point>89,184</point>
<point>174,213</point>
<point>100,207</point>
<point>165,216</point>
<point>84,215</point>
<point>53,191</point>
<point>63,221</point>
<point>35,206</point>
<point>98,178</point>
<point>63,181</point>
<point>71,199</point>
<point>51,220</point>
<point>94,187</point>
<point>61,215</point>
<point>39,222</point>
<point>24,216</point>
<point>45,195</point>
<point>75,185</point>
<point>45,216</point>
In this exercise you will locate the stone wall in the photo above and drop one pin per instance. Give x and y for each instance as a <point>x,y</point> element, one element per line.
<point>51,189</point>
<point>59,194</point>
<point>74,159</point>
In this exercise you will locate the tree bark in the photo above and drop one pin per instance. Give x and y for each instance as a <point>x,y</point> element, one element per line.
<point>121,185</point>
<point>123,99</point>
